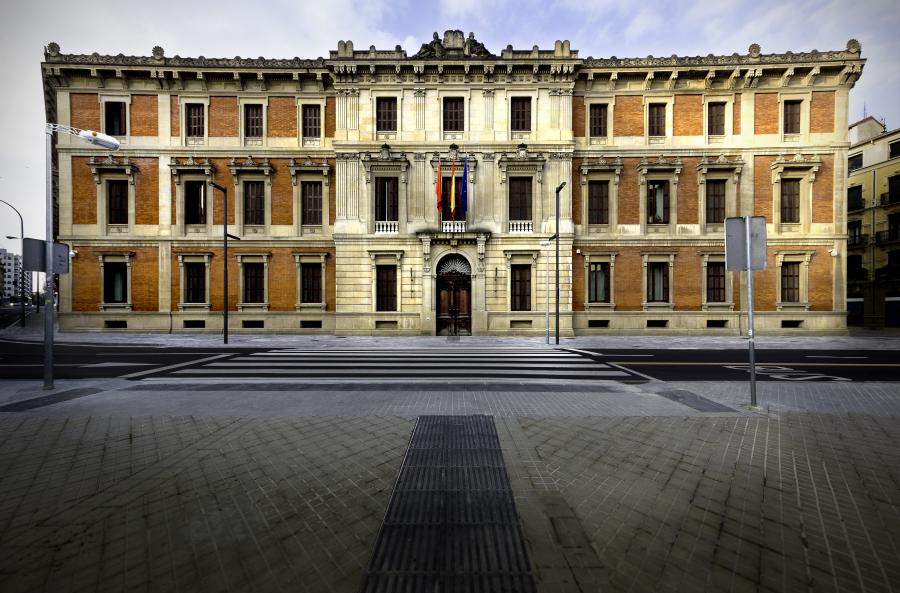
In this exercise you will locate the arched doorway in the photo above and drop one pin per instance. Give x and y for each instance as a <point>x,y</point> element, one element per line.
<point>454,296</point>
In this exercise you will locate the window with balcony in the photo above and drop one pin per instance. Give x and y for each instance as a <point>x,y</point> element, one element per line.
<point>790,201</point>
<point>386,288</point>
<point>715,119</point>
<point>656,119</point>
<point>598,115</point>
<point>854,198</point>
<point>598,282</point>
<point>520,114</point>
<point>854,162</point>
<point>657,282</point>
<point>253,121</point>
<point>854,233</point>
<point>386,205</point>
<point>195,125</point>
<point>598,202</point>
<point>792,117</point>
<point>194,202</point>
<point>657,202</point>
<point>386,114</point>
<point>311,203</point>
<point>520,287</point>
<point>117,201</point>
<point>114,118</point>
<point>451,203</point>
<point>454,114</point>
<point>520,220</point>
<point>254,203</point>
<point>312,121</point>
<point>715,201</point>
<point>715,282</point>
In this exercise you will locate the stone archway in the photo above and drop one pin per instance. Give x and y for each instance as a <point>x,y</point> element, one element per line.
<point>453,294</point>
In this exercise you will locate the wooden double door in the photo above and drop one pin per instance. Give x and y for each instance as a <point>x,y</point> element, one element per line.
<point>454,304</point>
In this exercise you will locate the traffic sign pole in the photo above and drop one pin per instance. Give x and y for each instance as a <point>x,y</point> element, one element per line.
<point>750,315</point>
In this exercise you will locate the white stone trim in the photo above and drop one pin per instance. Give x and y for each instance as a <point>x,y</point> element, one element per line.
<point>608,257</point>
<point>116,98</point>
<point>802,257</point>
<point>115,257</point>
<point>262,258</point>
<point>243,102</point>
<point>199,257</point>
<point>669,101</point>
<point>183,100</point>
<point>313,142</point>
<point>660,257</point>
<point>728,303</point>
<point>310,258</point>
<point>523,257</point>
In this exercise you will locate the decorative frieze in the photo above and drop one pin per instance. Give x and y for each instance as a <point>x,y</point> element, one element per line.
<point>112,165</point>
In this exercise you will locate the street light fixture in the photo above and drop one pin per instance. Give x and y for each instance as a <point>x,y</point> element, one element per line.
<point>22,264</point>
<point>97,139</point>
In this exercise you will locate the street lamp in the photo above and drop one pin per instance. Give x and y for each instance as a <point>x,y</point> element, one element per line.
<point>225,237</point>
<point>558,189</point>
<point>97,139</point>
<point>546,246</point>
<point>22,264</point>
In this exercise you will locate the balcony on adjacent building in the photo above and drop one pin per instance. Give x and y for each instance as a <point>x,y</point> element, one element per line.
<point>890,198</point>
<point>453,226</point>
<point>887,236</point>
<point>387,227</point>
<point>857,240</point>
<point>855,203</point>
<point>857,274</point>
<point>520,226</point>
<point>887,273</point>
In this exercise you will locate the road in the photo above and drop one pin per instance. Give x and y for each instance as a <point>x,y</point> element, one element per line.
<point>25,361</point>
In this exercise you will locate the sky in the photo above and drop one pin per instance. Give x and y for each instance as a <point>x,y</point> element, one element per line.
<point>311,28</point>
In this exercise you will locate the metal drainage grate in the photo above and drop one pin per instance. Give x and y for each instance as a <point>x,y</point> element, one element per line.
<point>451,524</point>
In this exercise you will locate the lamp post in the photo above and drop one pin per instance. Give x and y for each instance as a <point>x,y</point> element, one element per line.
<point>22,263</point>
<point>546,246</point>
<point>97,139</point>
<point>558,189</point>
<point>225,237</point>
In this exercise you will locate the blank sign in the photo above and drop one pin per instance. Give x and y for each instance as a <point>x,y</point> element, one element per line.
<point>736,243</point>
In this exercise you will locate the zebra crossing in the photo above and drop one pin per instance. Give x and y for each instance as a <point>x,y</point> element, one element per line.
<point>441,364</point>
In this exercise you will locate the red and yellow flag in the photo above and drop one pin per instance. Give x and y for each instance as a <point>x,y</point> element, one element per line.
<point>453,187</point>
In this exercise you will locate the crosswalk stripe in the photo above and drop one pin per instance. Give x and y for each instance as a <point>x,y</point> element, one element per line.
<point>435,373</point>
<point>407,364</point>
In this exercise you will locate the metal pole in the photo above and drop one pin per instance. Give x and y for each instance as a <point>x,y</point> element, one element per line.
<point>558,189</point>
<point>750,315</point>
<point>22,264</point>
<point>48,270</point>
<point>225,262</point>
<point>547,291</point>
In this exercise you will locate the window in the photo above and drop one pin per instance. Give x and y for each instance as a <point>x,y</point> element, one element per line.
<point>598,282</point>
<point>715,201</point>
<point>658,202</point>
<point>854,232</point>
<point>386,288</point>
<point>253,121</point>
<point>447,213</point>
<point>854,198</point>
<point>790,200</point>
<point>894,188</point>
<point>386,207</point>
<point>114,118</point>
<point>454,114</point>
<point>790,282</point>
<point>598,120</point>
<point>855,270</point>
<point>656,119</point>
<point>254,282</point>
<point>254,203</point>
<point>520,114</point>
<point>117,201</point>
<point>792,117</point>
<point>855,162</point>
<point>195,120</point>
<point>194,282</point>
<point>194,202</point>
<point>715,282</point>
<point>312,121</point>
<point>520,198</point>
<point>657,282</point>
<point>520,284</point>
<point>386,114</point>
<point>598,202</point>
<point>115,282</point>
<point>311,202</point>
<point>894,149</point>
<point>716,119</point>
<point>311,283</point>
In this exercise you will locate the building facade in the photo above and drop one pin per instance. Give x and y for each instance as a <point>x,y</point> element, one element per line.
<point>335,170</point>
<point>11,267</point>
<point>873,225</point>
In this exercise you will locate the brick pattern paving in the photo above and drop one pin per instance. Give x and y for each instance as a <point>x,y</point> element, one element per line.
<point>193,504</point>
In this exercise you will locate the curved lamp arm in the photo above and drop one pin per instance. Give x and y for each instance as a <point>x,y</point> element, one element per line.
<point>95,138</point>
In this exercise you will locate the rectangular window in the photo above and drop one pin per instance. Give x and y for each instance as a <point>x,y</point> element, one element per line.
<point>598,202</point>
<point>854,162</point>
<point>520,282</point>
<point>854,232</point>
<point>598,287</point>
<point>311,198</point>
<point>894,188</point>
<point>114,118</point>
<point>715,282</point>
<point>520,114</point>
<point>790,282</point>
<point>115,282</point>
<point>854,198</point>
<point>520,198</point>
<point>715,201</point>
<point>454,109</point>
<point>447,213</point>
<point>194,282</point>
<point>194,202</point>
<point>658,202</point>
<point>253,121</point>
<point>254,282</point>
<point>386,288</point>
<point>657,282</point>
<point>598,120</point>
<point>386,201</point>
<point>117,199</point>
<point>254,203</point>
<point>195,120</point>
<point>386,114</point>
<point>715,119</point>
<point>790,200</point>
<point>656,119</point>
<point>792,117</point>
<point>311,283</point>
<point>312,121</point>
<point>894,150</point>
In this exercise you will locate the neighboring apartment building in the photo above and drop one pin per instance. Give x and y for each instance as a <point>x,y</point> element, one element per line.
<point>873,225</point>
<point>333,168</point>
<point>11,265</point>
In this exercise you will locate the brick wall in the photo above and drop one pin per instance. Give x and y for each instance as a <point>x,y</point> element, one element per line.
<point>174,116</point>
<point>821,113</point>
<point>765,113</point>
<point>330,117</point>
<point>628,115</point>
<point>85,276</point>
<point>85,111</point>
<point>282,117</point>
<point>688,115</point>
<point>629,192</point>
<point>146,198</point>
<point>628,279</point>
<point>216,299</point>
<point>223,117</point>
<point>688,198</point>
<point>823,191</point>
<point>282,193</point>
<point>821,282</point>
<point>145,279</point>
<point>224,178</point>
<point>84,192</point>
<point>174,205</point>
<point>144,115</point>
<point>687,280</point>
<point>578,115</point>
<point>282,280</point>
<point>762,186</point>
<point>86,287</point>
<point>736,114</point>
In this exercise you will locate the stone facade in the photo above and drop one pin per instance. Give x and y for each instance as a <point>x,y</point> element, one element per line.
<point>638,144</point>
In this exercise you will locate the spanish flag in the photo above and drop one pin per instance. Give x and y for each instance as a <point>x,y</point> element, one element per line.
<point>438,187</point>
<point>453,188</point>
